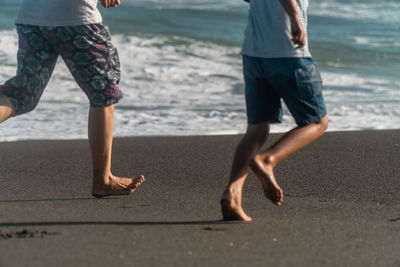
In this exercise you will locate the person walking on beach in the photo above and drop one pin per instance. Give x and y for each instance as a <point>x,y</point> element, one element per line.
<point>74,30</point>
<point>276,64</point>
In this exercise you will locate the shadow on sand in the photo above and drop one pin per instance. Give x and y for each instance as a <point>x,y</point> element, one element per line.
<point>119,223</point>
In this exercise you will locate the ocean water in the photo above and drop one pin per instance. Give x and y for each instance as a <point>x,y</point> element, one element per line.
<point>182,71</point>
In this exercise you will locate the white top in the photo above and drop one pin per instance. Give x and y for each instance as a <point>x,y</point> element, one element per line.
<point>268,32</point>
<point>58,12</point>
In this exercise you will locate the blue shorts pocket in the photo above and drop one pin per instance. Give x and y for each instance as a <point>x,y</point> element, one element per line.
<point>309,81</point>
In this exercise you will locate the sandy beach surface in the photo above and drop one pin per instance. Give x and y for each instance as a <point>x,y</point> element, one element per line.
<point>341,205</point>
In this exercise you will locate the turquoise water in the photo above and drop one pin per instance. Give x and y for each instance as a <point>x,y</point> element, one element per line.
<point>182,68</point>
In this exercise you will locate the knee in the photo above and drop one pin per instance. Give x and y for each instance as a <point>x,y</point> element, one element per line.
<point>323,124</point>
<point>258,132</point>
<point>6,108</point>
<point>24,106</point>
<point>18,100</point>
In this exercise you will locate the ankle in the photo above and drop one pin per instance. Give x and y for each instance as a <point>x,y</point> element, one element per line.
<point>268,160</point>
<point>234,188</point>
<point>100,177</point>
<point>230,198</point>
<point>100,183</point>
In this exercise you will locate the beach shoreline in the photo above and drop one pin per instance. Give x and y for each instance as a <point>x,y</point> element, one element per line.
<point>341,205</point>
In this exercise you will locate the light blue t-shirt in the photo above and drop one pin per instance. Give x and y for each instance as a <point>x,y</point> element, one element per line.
<point>268,32</point>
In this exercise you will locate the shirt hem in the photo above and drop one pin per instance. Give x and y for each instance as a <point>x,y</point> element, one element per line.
<point>58,23</point>
<point>277,55</point>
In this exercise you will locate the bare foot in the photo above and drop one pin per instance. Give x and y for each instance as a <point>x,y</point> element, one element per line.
<point>231,208</point>
<point>132,183</point>
<point>265,174</point>
<point>118,186</point>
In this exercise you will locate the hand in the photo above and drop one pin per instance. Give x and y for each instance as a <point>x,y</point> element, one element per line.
<point>110,3</point>
<point>298,34</point>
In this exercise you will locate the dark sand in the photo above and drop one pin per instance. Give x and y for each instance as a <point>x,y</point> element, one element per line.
<point>341,205</point>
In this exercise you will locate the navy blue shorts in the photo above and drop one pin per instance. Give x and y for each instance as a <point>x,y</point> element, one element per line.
<point>295,80</point>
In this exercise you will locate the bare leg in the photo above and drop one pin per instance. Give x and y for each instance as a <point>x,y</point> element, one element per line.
<point>6,108</point>
<point>231,201</point>
<point>101,121</point>
<point>294,140</point>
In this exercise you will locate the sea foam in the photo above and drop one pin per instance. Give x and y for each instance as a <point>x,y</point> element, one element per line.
<point>181,86</point>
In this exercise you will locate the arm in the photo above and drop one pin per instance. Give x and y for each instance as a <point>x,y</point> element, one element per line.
<point>298,33</point>
<point>110,3</point>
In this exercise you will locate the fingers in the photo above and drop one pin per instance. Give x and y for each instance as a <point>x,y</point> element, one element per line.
<point>105,3</point>
<point>115,3</point>
<point>299,41</point>
<point>299,36</point>
<point>110,3</point>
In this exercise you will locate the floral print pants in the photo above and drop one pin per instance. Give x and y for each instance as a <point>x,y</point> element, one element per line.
<point>88,53</point>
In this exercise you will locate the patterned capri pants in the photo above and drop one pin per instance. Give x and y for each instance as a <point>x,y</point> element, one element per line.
<point>86,50</point>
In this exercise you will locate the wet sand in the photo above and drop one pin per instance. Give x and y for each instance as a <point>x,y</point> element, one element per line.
<point>341,205</point>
